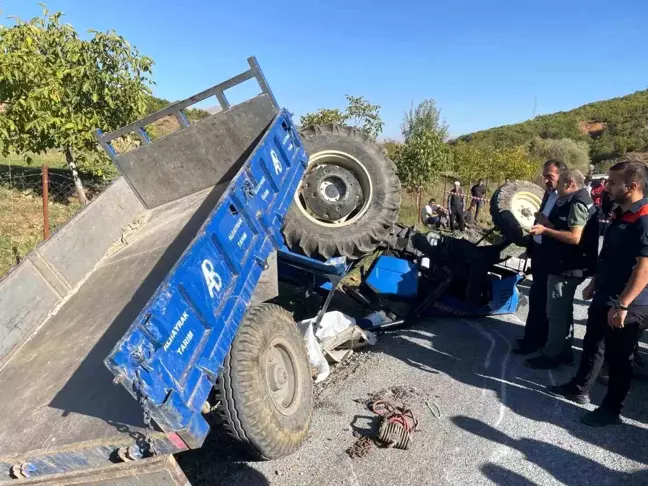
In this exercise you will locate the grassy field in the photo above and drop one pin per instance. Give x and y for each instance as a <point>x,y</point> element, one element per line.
<point>21,203</point>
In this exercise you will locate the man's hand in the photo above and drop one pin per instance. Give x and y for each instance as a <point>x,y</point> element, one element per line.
<point>616,317</point>
<point>544,221</point>
<point>588,291</point>
<point>537,229</point>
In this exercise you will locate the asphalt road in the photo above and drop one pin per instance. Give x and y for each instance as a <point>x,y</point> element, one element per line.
<point>498,425</point>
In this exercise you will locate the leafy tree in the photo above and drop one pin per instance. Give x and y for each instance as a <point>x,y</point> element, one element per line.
<point>392,147</point>
<point>359,113</point>
<point>323,116</point>
<point>573,153</point>
<point>513,163</point>
<point>364,116</point>
<point>471,161</point>
<point>58,88</point>
<point>421,161</point>
<point>425,117</point>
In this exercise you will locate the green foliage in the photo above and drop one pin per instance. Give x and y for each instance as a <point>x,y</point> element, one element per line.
<point>470,161</point>
<point>323,116</point>
<point>359,113</point>
<point>624,119</point>
<point>425,117</point>
<point>156,104</point>
<point>392,147</point>
<point>57,88</point>
<point>422,159</point>
<point>573,153</point>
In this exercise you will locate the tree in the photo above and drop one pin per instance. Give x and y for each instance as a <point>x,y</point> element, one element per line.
<point>359,113</point>
<point>471,161</point>
<point>513,163</point>
<point>58,88</point>
<point>392,147</point>
<point>420,162</point>
<point>323,116</point>
<point>573,153</point>
<point>425,117</point>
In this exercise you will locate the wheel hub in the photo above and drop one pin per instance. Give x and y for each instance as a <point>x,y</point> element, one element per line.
<point>281,377</point>
<point>332,192</point>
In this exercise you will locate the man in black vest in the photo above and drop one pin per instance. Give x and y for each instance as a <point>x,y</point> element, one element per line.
<point>535,330</point>
<point>456,207</point>
<point>570,237</point>
<point>619,311</point>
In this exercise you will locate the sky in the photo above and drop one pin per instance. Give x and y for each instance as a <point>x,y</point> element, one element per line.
<point>485,62</point>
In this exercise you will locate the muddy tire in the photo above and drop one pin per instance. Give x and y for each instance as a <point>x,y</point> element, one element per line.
<point>513,208</point>
<point>266,389</point>
<point>349,197</point>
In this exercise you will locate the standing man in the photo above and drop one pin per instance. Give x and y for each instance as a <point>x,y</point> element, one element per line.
<point>456,207</point>
<point>617,315</point>
<point>478,192</point>
<point>536,327</point>
<point>570,237</point>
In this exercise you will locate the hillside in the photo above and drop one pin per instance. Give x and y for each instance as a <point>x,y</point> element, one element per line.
<point>611,128</point>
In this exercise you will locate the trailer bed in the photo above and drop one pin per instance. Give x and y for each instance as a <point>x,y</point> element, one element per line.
<point>56,390</point>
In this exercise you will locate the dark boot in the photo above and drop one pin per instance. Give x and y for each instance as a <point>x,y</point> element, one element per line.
<point>570,392</point>
<point>600,418</point>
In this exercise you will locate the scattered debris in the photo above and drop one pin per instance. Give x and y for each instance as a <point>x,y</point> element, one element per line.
<point>361,447</point>
<point>397,424</point>
<point>436,411</point>
<point>333,341</point>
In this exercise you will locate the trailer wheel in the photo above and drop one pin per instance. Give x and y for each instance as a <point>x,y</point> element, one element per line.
<point>266,389</point>
<point>349,197</point>
<point>513,208</point>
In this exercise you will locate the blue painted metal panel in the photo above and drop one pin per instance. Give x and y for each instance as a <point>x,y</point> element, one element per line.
<point>505,300</point>
<point>391,276</point>
<point>178,342</point>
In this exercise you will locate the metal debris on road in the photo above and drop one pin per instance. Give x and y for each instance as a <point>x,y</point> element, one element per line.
<point>436,411</point>
<point>397,424</point>
<point>361,447</point>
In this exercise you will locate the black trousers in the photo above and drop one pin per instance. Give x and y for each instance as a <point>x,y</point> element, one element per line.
<point>616,346</point>
<point>478,206</point>
<point>458,216</point>
<point>537,325</point>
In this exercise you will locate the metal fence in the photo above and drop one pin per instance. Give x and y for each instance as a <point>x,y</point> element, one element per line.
<point>34,203</point>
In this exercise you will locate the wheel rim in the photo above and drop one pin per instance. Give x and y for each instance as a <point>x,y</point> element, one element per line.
<point>524,206</point>
<point>333,188</point>
<point>282,377</point>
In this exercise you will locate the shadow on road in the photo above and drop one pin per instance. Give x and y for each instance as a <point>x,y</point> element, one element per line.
<point>564,465</point>
<point>478,353</point>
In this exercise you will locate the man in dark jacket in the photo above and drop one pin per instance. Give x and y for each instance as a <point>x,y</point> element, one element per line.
<point>619,310</point>
<point>456,207</point>
<point>570,237</point>
<point>536,328</point>
<point>478,194</point>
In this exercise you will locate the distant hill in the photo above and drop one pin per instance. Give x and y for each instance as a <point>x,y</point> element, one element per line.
<point>611,128</point>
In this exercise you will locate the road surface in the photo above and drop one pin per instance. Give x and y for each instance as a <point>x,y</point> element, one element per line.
<point>498,425</point>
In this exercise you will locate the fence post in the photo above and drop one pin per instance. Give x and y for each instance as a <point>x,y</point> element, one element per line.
<point>46,230</point>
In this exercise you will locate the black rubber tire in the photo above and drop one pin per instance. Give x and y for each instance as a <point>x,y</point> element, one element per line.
<point>247,408</point>
<point>500,209</point>
<point>364,235</point>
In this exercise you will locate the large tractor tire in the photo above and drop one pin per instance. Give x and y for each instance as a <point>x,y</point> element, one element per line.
<point>266,388</point>
<point>349,197</point>
<point>513,208</point>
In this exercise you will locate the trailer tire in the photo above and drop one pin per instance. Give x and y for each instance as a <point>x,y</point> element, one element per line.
<point>513,207</point>
<point>349,197</point>
<point>267,353</point>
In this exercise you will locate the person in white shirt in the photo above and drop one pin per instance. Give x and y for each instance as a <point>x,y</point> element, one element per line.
<point>537,326</point>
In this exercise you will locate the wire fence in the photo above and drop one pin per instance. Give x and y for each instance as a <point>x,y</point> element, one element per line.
<point>34,203</point>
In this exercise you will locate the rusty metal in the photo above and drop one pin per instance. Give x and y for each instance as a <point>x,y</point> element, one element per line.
<point>361,447</point>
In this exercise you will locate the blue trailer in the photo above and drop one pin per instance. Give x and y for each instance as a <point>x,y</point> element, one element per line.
<point>155,304</point>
